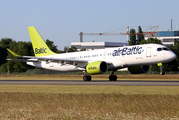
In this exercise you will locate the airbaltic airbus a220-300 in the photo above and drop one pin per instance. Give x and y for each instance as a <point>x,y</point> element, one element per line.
<point>136,58</point>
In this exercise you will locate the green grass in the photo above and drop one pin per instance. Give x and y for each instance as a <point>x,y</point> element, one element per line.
<point>90,89</point>
<point>167,77</point>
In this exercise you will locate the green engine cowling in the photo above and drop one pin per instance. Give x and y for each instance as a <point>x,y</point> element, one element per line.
<point>97,67</point>
<point>139,69</point>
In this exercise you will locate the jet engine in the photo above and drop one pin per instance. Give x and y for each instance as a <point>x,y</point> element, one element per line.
<point>97,67</point>
<point>139,69</point>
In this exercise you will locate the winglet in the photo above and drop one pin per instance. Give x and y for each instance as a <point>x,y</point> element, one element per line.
<point>39,45</point>
<point>13,53</point>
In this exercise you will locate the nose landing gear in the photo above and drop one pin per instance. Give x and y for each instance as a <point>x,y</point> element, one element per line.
<point>161,69</point>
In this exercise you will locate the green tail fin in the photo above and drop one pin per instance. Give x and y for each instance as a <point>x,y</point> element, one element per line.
<point>39,45</point>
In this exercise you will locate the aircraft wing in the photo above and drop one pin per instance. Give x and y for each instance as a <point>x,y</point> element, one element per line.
<point>23,60</point>
<point>36,59</point>
<point>51,59</point>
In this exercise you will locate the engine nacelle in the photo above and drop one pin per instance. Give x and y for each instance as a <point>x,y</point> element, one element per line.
<point>97,67</point>
<point>139,69</point>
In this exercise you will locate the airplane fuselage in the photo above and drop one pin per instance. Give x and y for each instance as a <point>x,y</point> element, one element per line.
<point>136,58</point>
<point>119,57</point>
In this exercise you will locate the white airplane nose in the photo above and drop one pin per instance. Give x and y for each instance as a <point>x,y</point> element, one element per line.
<point>171,56</point>
<point>174,56</point>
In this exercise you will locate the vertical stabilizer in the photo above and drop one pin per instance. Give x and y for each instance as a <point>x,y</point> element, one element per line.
<point>39,45</point>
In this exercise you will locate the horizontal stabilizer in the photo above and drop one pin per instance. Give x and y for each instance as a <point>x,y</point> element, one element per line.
<point>13,53</point>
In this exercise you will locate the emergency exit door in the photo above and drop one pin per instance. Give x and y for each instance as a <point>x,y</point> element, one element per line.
<point>148,52</point>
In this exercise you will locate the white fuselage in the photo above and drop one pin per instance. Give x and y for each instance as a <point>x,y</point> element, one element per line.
<point>119,57</point>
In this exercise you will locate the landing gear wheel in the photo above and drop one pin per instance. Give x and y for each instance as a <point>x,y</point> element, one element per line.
<point>161,71</point>
<point>87,78</point>
<point>112,77</point>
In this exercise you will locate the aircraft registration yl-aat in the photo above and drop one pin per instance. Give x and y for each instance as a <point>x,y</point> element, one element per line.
<point>136,58</point>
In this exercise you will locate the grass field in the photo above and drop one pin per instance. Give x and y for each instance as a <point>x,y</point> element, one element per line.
<point>94,77</point>
<point>74,102</point>
<point>88,102</point>
<point>90,89</point>
<point>19,105</point>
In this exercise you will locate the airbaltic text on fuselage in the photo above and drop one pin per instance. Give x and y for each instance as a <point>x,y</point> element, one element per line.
<point>40,51</point>
<point>128,51</point>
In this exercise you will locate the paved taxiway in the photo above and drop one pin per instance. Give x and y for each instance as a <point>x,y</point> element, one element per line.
<point>95,82</point>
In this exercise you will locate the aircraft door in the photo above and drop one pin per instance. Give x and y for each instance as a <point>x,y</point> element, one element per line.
<point>148,52</point>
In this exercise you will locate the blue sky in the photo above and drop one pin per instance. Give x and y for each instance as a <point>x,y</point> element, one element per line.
<point>62,20</point>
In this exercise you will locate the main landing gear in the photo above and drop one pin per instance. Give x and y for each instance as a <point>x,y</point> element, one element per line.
<point>112,77</point>
<point>87,78</point>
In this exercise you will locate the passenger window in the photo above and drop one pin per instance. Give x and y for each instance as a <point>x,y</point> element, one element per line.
<point>159,49</point>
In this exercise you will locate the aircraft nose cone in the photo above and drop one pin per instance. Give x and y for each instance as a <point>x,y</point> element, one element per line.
<point>172,56</point>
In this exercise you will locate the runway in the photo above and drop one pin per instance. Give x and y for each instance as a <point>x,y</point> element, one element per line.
<point>95,82</point>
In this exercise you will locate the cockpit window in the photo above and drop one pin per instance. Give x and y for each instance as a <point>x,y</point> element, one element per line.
<point>159,49</point>
<point>164,48</point>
